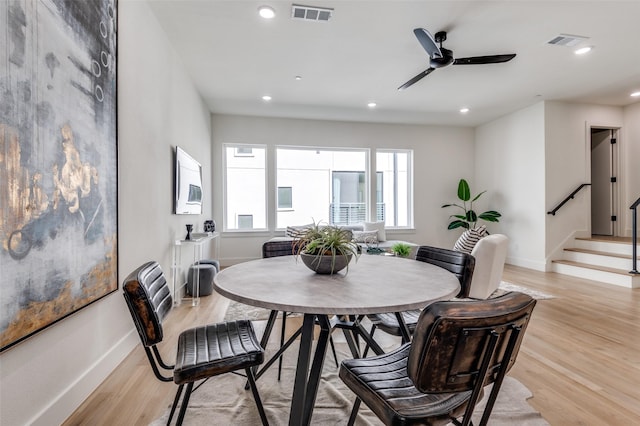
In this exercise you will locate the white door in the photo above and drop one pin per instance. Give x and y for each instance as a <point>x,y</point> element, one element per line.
<point>601,182</point>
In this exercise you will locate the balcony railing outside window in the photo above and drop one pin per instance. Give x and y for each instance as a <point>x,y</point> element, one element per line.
<point>353,213</point>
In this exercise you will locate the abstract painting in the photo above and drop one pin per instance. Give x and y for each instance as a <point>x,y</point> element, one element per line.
<point>58,161</point>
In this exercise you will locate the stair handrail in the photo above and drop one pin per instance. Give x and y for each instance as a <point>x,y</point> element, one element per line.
<point>634,237</point>
<point>569,197</point>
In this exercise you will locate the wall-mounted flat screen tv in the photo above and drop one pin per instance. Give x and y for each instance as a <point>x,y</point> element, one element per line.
<point>188,178</point>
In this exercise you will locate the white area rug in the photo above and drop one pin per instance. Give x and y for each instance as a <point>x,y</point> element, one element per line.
<point>224,401</point>
<point>539,295</point>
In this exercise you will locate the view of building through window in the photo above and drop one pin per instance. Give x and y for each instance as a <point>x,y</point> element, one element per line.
<point>325,184</point>
<point>316,184</point>
<point>245,188</point>
<point>285,197</point>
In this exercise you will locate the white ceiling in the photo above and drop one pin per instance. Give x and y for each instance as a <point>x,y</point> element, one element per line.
<point>368,49</point>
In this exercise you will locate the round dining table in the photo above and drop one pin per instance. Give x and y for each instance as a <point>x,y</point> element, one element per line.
<point>372,284</point>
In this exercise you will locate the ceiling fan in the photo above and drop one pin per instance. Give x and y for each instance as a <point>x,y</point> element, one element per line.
<point>441,57</point>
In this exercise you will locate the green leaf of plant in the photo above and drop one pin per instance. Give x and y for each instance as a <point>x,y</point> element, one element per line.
<point>457,224</point>
<point>492,213</point>
<point>464,193</point>
<point>471,216</point>
<point>489,217</point>
<point>478,196</point>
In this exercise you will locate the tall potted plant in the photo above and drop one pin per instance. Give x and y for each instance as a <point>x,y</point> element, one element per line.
<point>468,218</point>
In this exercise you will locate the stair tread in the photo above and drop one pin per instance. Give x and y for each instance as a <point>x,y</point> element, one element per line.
<point>594,267</point>
<point>614,240</point>
<point>600,253</point>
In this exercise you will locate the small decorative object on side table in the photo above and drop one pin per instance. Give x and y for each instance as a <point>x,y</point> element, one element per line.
<point>375,250</point>
<point>209,226</point>
<point>189,229</point>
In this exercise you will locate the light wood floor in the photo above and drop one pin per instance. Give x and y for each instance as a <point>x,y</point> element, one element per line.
<point>580,357</point>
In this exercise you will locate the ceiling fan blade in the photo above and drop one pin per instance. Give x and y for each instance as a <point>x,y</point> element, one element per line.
<point>479,60</point>
<point>428,43</point>
<point>416,79</point>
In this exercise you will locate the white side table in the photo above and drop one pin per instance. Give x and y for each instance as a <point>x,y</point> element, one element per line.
<point>196,243</point>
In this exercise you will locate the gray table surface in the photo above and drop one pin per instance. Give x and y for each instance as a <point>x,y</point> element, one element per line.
<point>373,284</point>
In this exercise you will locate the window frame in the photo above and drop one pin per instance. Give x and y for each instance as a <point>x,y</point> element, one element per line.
<point>226,220</point>
<point>271,207</point>
<point>410,187</point>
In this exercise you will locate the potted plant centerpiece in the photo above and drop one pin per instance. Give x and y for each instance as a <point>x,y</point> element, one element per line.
<point>325,249</point>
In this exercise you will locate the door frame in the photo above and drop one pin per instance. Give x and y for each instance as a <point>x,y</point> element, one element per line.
<point>617,189</point>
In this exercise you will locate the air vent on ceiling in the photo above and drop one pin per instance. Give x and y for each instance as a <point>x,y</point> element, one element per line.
<point>311,13</point>
<point>567,40</point>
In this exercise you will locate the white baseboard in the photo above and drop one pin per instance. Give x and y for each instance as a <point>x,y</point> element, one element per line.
<point>73,396</point>
<point>527,263</point>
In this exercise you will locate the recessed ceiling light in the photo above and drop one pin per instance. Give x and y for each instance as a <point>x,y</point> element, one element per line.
<point>266,98</point>
<point>266,12</point>
<point>298,78</point>
<point>583,50</point>
<point>635,94</point>
<point>372,104</point>
<point>464,110</point>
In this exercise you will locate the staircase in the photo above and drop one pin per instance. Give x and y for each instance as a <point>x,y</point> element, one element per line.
<point>601,259</point>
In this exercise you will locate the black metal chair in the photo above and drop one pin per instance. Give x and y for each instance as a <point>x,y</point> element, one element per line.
<point>458,263</point>
<point>203,352</point>
<point>458,348</point>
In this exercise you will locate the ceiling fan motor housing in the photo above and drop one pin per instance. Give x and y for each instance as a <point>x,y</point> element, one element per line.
<point>447,59</point>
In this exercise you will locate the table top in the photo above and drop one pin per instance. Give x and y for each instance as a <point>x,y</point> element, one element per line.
<point>373,284</point>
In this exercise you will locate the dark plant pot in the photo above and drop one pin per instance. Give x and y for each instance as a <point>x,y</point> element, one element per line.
<point>325,264</point>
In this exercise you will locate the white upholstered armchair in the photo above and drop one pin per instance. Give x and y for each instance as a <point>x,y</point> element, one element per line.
<point>490,254</point>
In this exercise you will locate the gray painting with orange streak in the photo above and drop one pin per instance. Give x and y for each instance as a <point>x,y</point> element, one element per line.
<point>58,161</point>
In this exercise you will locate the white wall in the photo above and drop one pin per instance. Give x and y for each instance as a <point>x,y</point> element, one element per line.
<point>530,160</point>
<point>442,155</point>
<point>631,161</point>
<point>567,157</point>
<point>509,163</point>
<point>45,378</point>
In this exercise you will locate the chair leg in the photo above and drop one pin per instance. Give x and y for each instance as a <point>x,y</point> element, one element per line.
<point>366,348</point>
<point>175,403</point>
<point>333,349</point>
<point>185,403</point>
<point>256,396</point>
<point>282,336</point>
<point>354,412</point>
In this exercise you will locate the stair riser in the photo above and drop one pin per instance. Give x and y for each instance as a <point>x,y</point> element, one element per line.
<point>628,281</point>
<point>608,247</point>
<point>599,260</point>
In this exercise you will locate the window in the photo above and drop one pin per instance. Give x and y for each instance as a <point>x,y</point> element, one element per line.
<point>330,185</point>
<point>245,188</point>
<point>349,190</point>
<point>285,197</point>
<point>245,221</point>
<point>394,187</point>
<point>244,151</point>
